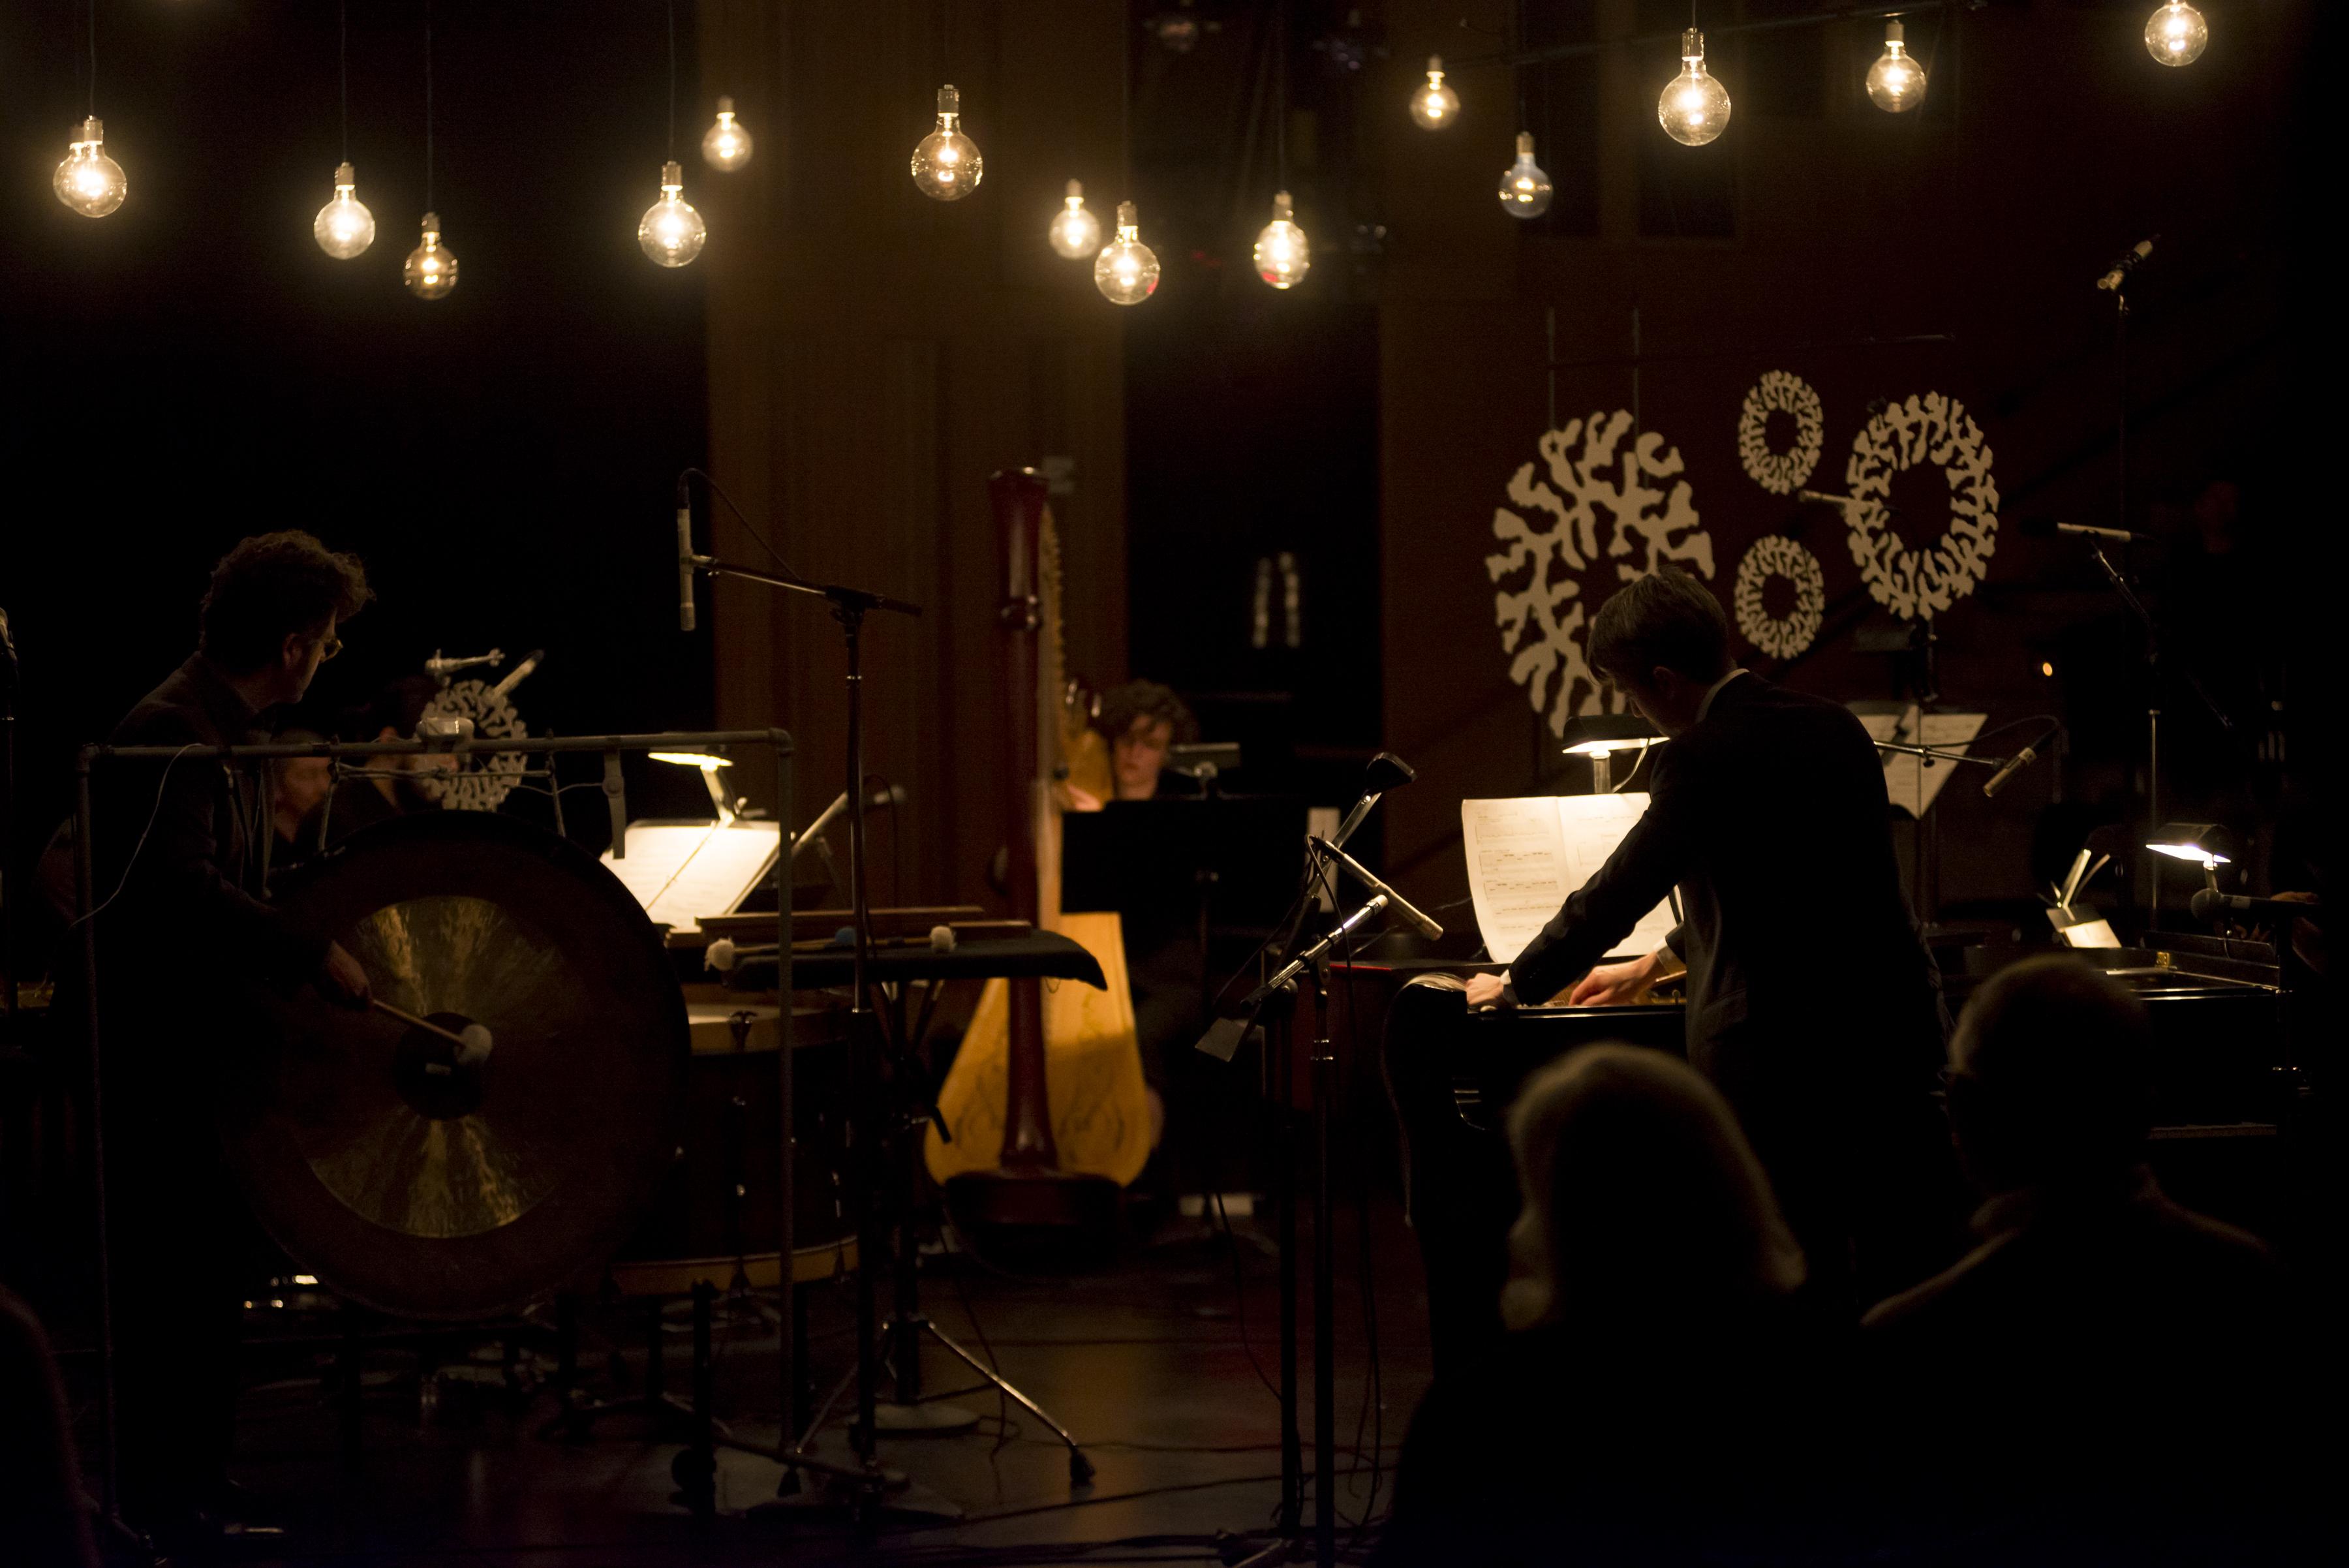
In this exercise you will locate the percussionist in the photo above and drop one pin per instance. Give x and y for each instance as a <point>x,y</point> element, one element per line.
<point>183,932</point>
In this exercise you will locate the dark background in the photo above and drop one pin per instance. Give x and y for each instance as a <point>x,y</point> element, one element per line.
<point>192,368</point>
<point>852,360</point>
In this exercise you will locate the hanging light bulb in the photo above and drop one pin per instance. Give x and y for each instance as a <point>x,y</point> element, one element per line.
<point>344,227</point>
<point>672,232</point>
<point>725,145</point>
<point>2176,34</point>
<point>1895,82</point>
<point>946,164</point>
<point>1524,188</point>
<point>88,180</point>
<point>1076,233</point>
<point>1695,106</point>
<point>1434,105</point>
<point>432,269</point>
<point>1282,255</point>
<point>1126,271</point>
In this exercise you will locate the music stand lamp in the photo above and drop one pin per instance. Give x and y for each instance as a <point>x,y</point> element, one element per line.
<point>1600,736</point>
<point>2208,845</point>
<point>713,769</point>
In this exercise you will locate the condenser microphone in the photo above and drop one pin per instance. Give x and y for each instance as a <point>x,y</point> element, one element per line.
<point>2126,263</point>
<point>2052,527</point>
<point>684,561</point>
<point>2208,906</point>
<point>1386,772</point>
<point>2007,770</point>
<point>1395,901</point>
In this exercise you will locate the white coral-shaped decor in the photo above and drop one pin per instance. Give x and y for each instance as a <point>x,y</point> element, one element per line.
<point>1775,555</point>
<point>1917,584</point>
<point>1780,391</point>
<point>1598,509</point>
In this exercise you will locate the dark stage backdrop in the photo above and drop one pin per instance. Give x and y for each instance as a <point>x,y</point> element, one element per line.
<point>192,368</point>
<point>1919,265</point>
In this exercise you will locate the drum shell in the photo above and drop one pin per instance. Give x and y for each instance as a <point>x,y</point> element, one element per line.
<point>718,1199</point>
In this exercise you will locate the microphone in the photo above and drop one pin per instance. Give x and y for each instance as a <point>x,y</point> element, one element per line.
<point>879,800</point>
<point>1395,901</point>
<point>1833,499</point>
<point>2208,906</point>
<point>1386,772</point>
<point>2126,265</point>
<point>2008,769</point>
<point>2050,527</point>
<point>684,559</point>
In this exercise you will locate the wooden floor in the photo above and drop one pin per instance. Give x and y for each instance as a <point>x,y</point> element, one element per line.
<point>1158,1363</point>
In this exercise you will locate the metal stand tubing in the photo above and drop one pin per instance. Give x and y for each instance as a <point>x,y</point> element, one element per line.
<point>701,1473</point>
<point>2147,857</point>
<point>1081,1468</point>
<point>863,1044</point>
<point>1325,1333</point>
<point>790,1307</point>
<point>1284,1182</point>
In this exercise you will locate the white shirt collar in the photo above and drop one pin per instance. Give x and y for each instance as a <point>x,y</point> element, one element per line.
<point>1713,691</point>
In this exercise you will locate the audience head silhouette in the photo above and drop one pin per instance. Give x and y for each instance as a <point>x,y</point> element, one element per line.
<point>2047,1086</point>
<point>1641,1197</point>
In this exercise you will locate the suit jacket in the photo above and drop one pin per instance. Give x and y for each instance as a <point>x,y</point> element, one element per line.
<point>1770,815</point>
<point>188,845</point>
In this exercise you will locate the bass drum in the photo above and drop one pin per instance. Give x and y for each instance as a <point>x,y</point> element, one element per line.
<point>430,1186</point>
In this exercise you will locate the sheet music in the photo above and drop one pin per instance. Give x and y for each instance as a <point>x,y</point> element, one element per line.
<point>1914,781</point>
<point>680,871</point>
<point>1525,855</point>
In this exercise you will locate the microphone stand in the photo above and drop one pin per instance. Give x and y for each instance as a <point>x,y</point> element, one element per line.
<point>2155,665</point>
<point>849,607</point>
<point>1278,994</point>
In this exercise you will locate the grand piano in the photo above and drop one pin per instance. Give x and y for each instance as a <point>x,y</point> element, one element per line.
<point>2221,1070</point>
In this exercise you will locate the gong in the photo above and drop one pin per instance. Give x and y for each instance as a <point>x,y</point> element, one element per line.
<point>421,1183</point>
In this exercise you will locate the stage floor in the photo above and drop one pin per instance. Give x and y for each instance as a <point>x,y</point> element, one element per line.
<point>1147,1361</point>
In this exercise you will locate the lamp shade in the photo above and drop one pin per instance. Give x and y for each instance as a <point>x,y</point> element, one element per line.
<point>1595,735</point>
<point>2206,844</point>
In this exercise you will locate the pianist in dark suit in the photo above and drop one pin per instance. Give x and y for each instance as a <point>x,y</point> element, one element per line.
<point>1812,1002</point>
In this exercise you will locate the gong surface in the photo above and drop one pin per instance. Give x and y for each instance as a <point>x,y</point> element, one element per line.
<point>432,1188</point>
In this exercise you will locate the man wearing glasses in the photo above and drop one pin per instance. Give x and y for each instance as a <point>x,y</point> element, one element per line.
<point>181,853</point>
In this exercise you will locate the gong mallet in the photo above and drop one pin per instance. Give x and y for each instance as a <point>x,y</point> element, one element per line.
<point>473,1042</point>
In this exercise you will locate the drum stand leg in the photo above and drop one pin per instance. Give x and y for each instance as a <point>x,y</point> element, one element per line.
<point>674,1420</point>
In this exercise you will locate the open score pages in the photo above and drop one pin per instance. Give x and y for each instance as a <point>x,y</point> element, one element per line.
<point>1525,855</point>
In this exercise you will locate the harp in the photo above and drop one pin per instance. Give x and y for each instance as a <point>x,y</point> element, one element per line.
<point>1045,1102</point>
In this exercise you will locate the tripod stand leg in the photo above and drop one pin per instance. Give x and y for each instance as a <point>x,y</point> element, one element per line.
<point>1081,1468</point>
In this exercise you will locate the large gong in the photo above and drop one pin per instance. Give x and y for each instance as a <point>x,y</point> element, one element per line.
<point>427,1185</point>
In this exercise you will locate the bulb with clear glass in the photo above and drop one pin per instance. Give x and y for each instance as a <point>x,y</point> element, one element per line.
<point>726,146</point>
<point>1524,188</point>
<point>1896,81</point>
<point>672,232</point>
<point>1695,106</point>
<point>1126,271</point>
<point>432,269</point>
<point>1282,255</point>
<point>946,164</point>
<point>88,180</point>
<point>1076,233</point>
<point>1434,105</point>
<point>345,228</point>
<point>2177,34</point>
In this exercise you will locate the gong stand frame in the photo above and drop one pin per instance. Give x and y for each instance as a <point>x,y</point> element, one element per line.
<point>867,1479</point>
<point>612,748</point>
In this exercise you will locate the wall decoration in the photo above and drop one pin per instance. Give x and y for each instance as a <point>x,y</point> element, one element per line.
<point>1915,584</point>
<point>1598,514</point>
<point>1780,391</point>
<point>1774,555</point>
